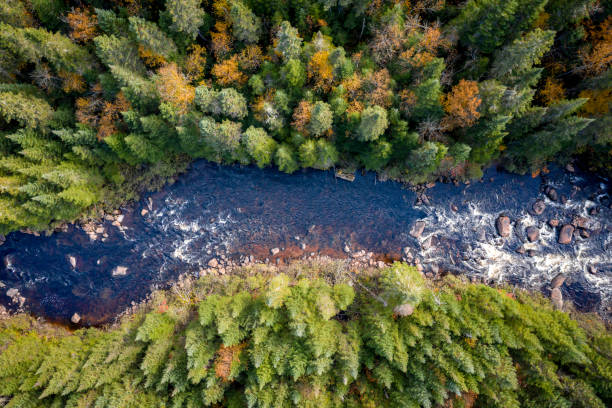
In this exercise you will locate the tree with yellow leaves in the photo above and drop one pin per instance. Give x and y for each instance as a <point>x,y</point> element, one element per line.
<point>552,91</point>
<point>320,71</point>
<point>227,72</point>
<point>174,88</point>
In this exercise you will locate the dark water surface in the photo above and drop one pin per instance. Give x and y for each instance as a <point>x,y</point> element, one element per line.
<point>234,211</point>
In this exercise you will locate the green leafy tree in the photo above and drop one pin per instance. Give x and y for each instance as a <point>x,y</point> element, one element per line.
<point>259,145</point>
<point>284,158</point>
<point>294,73</point>
<point>321,119</point>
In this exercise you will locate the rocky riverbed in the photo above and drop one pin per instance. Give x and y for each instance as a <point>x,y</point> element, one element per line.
<point>550,233</point>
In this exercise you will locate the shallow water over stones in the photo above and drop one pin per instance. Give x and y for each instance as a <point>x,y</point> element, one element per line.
<point>215,211</point>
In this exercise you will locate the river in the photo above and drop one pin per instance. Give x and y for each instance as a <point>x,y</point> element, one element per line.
<point>239,211</point>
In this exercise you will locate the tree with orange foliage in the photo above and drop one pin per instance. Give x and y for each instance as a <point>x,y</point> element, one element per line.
<point>174,88</point>
<point>71,81</point>
<point>599,57</point>
<point>227,73</point>
<point>83,25</point>
<point>461,105</point>
<point>552,91</point>
<point>111,113</point>
<point>320,71</point>
<point>301,117</point>
<point>221,40</point>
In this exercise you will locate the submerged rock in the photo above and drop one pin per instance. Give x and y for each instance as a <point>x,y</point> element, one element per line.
<point>557,281</point>
<point>417,229</point>
<point>503,226</point>
<point>533,234</point>
<point>120,271</point>
<point>538,207</point>
<point>566,234</point>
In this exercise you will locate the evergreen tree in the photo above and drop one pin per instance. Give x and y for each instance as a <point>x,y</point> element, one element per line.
<point>152,38</point>
<point>373,123</point>
<point>246,26</point>
<point>289,43</point>
<point>187,16</point>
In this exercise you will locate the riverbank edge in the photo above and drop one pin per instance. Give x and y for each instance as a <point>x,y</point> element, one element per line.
<point>351,268</point>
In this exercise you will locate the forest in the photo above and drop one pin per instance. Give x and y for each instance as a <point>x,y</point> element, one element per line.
<point>316,336</point>
<point>100,100</point>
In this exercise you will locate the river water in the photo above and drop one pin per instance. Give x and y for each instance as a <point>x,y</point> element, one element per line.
<point>232,211</point>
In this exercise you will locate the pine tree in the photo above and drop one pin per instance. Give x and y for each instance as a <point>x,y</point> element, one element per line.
<point>246,26</point>
<point>373,123</point>
<point>152,38</point>
<point>289,43</point>
<point>187,16</point>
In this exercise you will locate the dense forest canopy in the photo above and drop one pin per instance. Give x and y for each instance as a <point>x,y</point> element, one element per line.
<point>101,98</point>
<point>317,336</point>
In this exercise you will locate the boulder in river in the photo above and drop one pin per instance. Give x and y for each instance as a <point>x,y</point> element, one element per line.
<point>538,207</point>
<point>533,233</point>
<point>553,222</point>
<point>584,233</point>
<point>557,298</point>
<point>73,261</point>
<point>417,229</point>
<point>2,239</point>
<point>144,212</point>
<point>274,251</point>
<point>520,250</point>
<point>75,318</point>
<point>566,234</point>
<point>213,263</point>
<point>578,221</point>
<point>552,194</point>
<point>120,271</point>
<point>557,281</point>
<point>503,226</point>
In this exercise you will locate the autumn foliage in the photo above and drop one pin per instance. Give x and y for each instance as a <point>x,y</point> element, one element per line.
<point>174,88</point>
<point>83,25</point>
<point>227,72</point>
<point>461,105</point>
